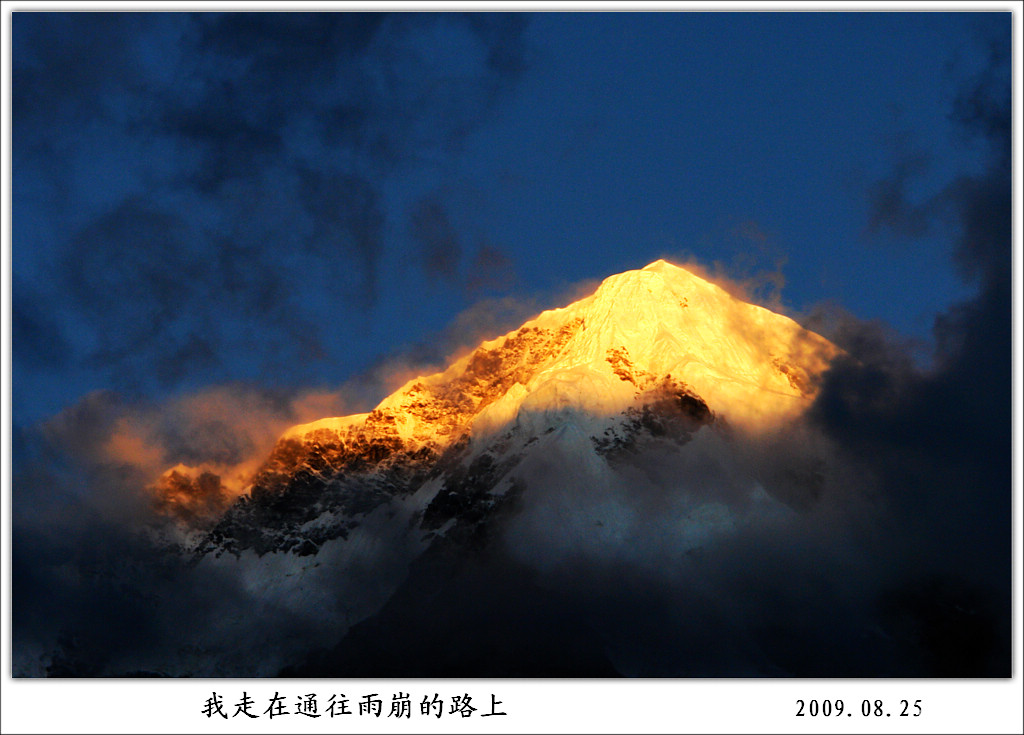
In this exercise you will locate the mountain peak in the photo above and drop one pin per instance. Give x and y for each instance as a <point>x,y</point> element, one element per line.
<point>653,356</point>
<point>598,356</point>
<point>658,280</point>
<point>662,265</point>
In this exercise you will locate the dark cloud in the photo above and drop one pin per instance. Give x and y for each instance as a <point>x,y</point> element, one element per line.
<point>65,65</point>
<point>346,215</point>
<point>939,440</point>
<point>200,179</point>
<point>98,598</point>
<point>255,73</point>
<point>753,233</point>
<point>103,583</point>
<point>436,239</point>
<point>132,255</point>
<point>504,35</point>
<point>194,356</point>
<point>757,264</point>
<point>982,106</point>
<point>36,331</point>
<point>286,43</point>
<point>490,270</point>
<point>92,542</point>
<point>973,339</point>
<point>890,208</point>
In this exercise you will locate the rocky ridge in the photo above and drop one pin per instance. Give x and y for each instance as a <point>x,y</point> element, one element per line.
<point>652,355</point>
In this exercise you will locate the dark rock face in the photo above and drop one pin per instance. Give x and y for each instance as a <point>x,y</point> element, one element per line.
<point>668,411</point>
<point>329,481</point>
<point>344,475</point>
<point>320,456</point>
<point>195,501</point>
<point>347,474</point>
<point>489,374</point>
<point>623,367</point>
<point>467,496</point>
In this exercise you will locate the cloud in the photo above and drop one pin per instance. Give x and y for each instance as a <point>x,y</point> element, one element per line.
<point>196,189</point>
<point>939,440</point>
<point>730,555</point>
<point>39,336</point>
<point>889,202</point>
<point>435,238</point>
<point>67,63</point>
<point>346,215</point>
<point>101,571</point>
<point>753,273</point>
<point>490,270</point>
<point>981,106</point>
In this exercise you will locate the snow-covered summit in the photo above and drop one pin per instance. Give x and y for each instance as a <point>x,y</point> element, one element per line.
<point>656,363</point>
<point>595,355</point>
<point>651,356</point>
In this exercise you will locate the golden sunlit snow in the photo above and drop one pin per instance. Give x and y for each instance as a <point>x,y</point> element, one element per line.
<point>752,366</point>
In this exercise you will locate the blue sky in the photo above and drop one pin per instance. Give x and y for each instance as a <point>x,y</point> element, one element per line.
<point>286,201</point>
